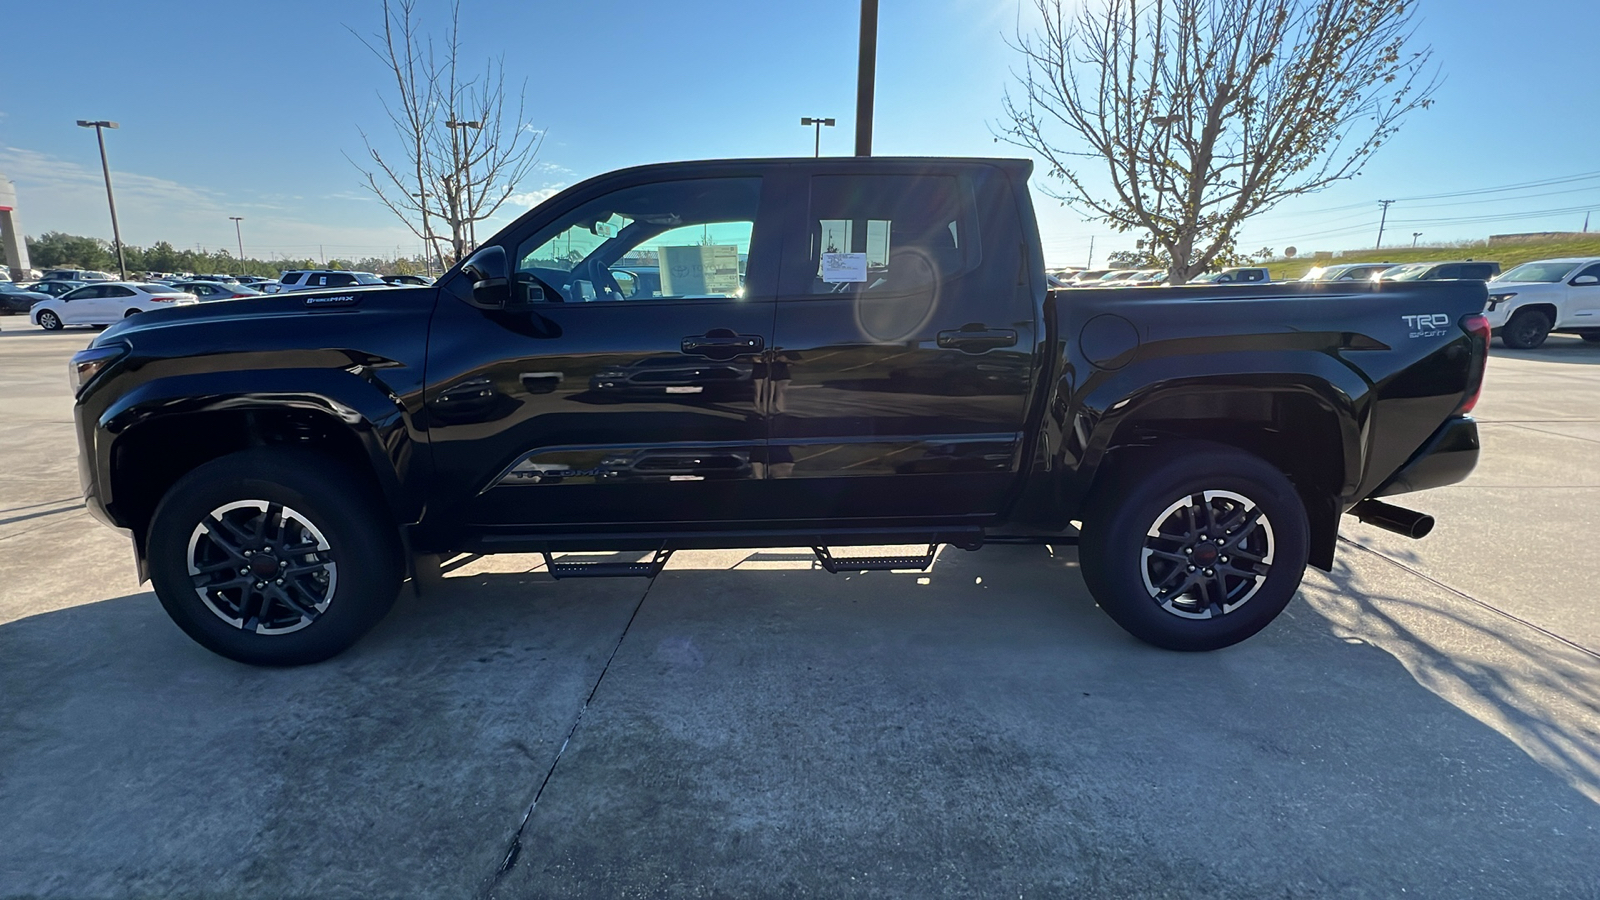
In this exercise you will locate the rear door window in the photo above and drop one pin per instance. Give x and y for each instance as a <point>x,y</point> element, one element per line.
<point>884,234</point>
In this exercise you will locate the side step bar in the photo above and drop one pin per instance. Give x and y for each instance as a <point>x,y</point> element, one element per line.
<point>836,564</point>
<point>594,569</point>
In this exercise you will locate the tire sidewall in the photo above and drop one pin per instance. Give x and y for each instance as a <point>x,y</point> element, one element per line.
<point>1114,534</point>
<point>315,487</point>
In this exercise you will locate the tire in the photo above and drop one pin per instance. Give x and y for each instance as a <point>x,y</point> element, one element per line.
<point>49,321</point>
<point>331,540</point>
<point>1527,330</point>
<point>1144,581</point>
<point>130,313</point>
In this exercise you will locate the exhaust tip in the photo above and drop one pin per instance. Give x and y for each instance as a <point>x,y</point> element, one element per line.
<point>1407,522</point>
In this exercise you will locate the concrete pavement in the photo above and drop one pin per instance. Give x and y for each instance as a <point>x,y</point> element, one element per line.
<point>1425,720</point>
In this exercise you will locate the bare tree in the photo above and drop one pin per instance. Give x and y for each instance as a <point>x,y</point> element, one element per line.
<point>463,150</point>
<point>1206,112</point>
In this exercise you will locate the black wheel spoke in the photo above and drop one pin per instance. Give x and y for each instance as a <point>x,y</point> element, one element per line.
<point>226,536</point>
<point>287,599</point>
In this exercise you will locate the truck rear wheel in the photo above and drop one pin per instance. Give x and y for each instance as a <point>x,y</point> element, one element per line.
<point>1195,548</point>
<point>274,557</point>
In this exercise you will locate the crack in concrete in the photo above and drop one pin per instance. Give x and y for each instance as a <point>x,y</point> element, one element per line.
<point>1471,599</point>
<point>514,849</point>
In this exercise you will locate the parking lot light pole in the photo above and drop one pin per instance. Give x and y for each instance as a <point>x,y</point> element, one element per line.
<point>99,127</point>
<point>238,234</point>
<point>1414,236</point>
<point>807,120</point>
<point>464,165</point>
<point>866,76</point>
<point>427,234</point>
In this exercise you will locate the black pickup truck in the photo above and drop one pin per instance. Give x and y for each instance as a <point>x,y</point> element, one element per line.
<point>824,353</point>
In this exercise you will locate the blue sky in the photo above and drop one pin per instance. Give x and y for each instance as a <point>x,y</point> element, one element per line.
<point>248,109</point>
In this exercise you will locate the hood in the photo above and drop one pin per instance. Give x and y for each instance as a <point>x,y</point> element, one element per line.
<point>270,309</point>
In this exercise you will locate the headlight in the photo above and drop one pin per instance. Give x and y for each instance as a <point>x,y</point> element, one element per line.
<point>1497,299</point>
<point>86,364</point>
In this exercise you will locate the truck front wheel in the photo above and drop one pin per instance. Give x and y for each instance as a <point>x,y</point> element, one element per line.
<point>274,557</point>
<point>1194,548</point>
<point>1527,330</point>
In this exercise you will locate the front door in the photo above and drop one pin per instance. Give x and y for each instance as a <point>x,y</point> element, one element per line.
<point>606,402</point>
<point>901,365</point>
<point>83,306</point>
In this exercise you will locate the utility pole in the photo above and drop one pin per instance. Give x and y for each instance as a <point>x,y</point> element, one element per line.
<point>239,235</point>
<point>116,233</point>
<point>1091,253</point>
<point>807,120</point>
<point>1414,236</point>
<point>1383,220</point>
<point>1585,223</point>
<point>866,76</point>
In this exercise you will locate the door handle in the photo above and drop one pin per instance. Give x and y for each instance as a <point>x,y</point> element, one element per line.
<point>977,338</point>
<point>720,343</point>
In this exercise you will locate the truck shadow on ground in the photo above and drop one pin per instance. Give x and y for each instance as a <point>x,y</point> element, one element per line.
<point>766,729</point>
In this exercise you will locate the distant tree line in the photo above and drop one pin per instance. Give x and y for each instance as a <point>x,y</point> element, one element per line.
<point>58,250</point>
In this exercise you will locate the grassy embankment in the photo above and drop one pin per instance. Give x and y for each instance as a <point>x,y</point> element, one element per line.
<point>1506,254</point>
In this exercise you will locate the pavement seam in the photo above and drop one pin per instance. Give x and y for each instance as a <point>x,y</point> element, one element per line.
<point>514,850</point>
<point>1574,437</point>
<point>1471,599</point>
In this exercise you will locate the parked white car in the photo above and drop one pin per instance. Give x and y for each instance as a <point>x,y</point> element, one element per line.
<point>104,303</point>
<point>1536,298</point>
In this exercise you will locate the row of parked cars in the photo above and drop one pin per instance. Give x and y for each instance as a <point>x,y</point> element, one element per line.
<point>1526,304</point>
<point>86,297</point>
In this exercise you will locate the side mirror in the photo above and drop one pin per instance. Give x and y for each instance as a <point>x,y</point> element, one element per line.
<point>1583,280</point>
<point>489,273</point>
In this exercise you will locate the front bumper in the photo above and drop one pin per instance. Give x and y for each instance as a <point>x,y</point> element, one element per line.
<point>1447,457</point>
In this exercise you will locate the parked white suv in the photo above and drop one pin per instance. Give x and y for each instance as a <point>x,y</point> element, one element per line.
<point>1536,298</point>
<point>314,279</point>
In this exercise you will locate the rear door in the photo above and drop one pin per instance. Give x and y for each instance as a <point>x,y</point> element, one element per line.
<point>116,303</point>
<point>1583,300</point>
<point>604,408</point>
<point>901,365</point>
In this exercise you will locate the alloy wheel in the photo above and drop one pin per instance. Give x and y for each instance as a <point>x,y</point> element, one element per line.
<point>1207,554</point>
<point>262,567</point>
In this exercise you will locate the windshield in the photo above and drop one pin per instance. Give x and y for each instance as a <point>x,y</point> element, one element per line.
<point>1547,272</point>
<point>364,278</point>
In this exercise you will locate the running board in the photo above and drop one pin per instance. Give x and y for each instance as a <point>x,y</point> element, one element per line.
<point>837,564</point>
<point>595,569</point>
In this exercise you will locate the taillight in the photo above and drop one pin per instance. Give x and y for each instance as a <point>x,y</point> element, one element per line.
<point>238,296</point>
<point>155,299</point>
<point>1476,326</point>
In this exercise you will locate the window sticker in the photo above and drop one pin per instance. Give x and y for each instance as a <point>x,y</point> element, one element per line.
<point>844,267</point>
